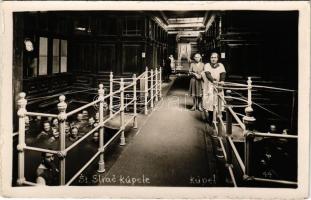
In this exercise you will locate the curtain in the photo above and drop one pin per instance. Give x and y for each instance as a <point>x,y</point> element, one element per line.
<point>184,51</point>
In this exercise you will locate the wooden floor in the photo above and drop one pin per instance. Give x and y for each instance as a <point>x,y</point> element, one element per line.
<point>171,149</point>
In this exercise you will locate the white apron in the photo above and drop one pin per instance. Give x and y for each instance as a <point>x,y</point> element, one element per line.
<point>208,93</point>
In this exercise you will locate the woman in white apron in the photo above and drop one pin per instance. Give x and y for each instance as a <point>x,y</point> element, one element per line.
<point>213,71</point>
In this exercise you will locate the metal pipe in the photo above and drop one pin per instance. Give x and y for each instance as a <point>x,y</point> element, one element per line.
<point>215,92</point>
<point>275,181</point>
<point>82,108</point>
<point>141,76</point>
<point>40,114</point>
<point>239,99</point>
<point>273,88</point>
<point>235,84</point>
<point>82,138</point>
<point>223,125</point>
<point>156,85</point>
<point>221,98</point>
<point>219,116</point>
<point>228,128</point>
<point>122,142</point>
<point>110,92</point>
<point>135,101</point>
<point>230,88</point>
<point>275,135</point>
<point>237,155</point>
<point>232,176</point>
<point>83,168</point>
<point>146,91</point>
<point>237,118</point>
<point>101,162</point>
<point>222,147</point>
<point>111,139</point>
<point>151,90</point>
<point>30,183</point>
<point>128,86</point>
<point>160,81</point>
<point>249,121</point>
<point>40,149</point>
<point>249,92</point>
<point>113,115</point>
<point>229,122</point>
<point>129,103</point>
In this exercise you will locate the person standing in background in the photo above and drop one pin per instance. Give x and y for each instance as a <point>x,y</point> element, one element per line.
<point>172,64</point>
<point>195,88</point>
<point>167,70</point>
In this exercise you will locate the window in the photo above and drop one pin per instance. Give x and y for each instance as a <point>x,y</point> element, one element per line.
<point>63,54</point>
<point>59,56</point>
<point>38,61</point>
<point>132,26</point>
<point>43,56</point>
<point>55,56</point>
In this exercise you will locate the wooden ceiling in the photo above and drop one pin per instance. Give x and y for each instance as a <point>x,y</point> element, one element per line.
<point>181,22</point>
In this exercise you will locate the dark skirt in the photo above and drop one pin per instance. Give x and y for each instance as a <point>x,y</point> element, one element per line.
<point>195,88</point>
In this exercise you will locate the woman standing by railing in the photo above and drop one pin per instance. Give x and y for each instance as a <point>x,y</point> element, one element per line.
<point>195,88</point>
<point>213,71</point>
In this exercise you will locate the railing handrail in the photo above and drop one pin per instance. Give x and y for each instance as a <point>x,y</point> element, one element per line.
<point>241,124</point>
<point>257,86</point>
<point>274,135</point>
<point>156,80</point>
<point>246,125</point>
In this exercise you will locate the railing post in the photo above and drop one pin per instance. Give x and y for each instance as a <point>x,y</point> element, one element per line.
<point>228,126</point>
<point>135,100</point>
<point>62,106</point>
<point>101,162</point>
<point>156,85</point>
<point>110,92</point>
<point>228,114</point>
<point>249,121</point>
<point>122,142</point>
<point>249,92</point>
<point>146,91</point>
<point>160,82</point>
<point>214,104</point>
<point>151,89</point>
<point>219,115</point>
<point>22,102</point>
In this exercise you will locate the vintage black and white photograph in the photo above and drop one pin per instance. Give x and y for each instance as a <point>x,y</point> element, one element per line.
<point>180,98</point>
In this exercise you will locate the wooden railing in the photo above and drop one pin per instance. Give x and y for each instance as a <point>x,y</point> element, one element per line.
<point>152,93</point>
<point>223,129</point>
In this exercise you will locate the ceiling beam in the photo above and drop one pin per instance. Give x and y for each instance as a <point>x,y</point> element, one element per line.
<point>205,18</point>
<point>165,20</point>
<point>185,32</point>
<point>171,26</point>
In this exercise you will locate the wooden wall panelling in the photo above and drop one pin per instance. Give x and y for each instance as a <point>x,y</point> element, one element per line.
<point>131,58</point>
<point>106,57</point>
<point>17,71</point>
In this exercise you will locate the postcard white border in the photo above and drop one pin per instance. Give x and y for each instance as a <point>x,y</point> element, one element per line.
<point>6,60</point>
